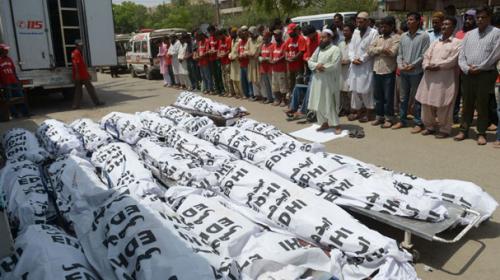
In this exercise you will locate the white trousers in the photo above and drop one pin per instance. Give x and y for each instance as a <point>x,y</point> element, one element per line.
<point>358,100</point>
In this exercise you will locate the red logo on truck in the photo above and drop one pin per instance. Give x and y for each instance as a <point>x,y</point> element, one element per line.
<point>30,24</point>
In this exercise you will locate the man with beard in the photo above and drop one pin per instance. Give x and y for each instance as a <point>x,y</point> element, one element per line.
<point>469,24</point>
<point>345,92</point>
<point>252,50</point>
<point>361,72</point>
<point>437,22</point>
<point>246,86</point>
<point>235,64</point>
<point>439,85</point>
<point>324,98</point>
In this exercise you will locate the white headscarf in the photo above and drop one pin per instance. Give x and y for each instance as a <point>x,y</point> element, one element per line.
<point>327,31</point>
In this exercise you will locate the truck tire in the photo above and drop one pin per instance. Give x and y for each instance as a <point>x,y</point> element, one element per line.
<point>149,74</point>
<point>68,93</point>
<point>132,72</point>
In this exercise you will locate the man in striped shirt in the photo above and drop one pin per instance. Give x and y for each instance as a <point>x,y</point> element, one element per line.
<point>478,57</point>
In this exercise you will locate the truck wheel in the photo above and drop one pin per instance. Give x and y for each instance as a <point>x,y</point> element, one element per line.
<point>68,93</point>
<point>149,74</point>
<point>132,72</point>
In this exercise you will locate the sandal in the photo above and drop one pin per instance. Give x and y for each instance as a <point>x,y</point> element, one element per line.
<point>360,133</point>
<point>460,137</point>
<point>352,133</point>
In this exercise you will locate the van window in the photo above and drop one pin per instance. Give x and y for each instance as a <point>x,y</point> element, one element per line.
<point>137,46</point>
<point>317,23</point>
<point>328,21</point>
<point>144,47</point>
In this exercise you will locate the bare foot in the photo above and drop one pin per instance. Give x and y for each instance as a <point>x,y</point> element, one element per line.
<point>496,144</point>
<point>481,140</point>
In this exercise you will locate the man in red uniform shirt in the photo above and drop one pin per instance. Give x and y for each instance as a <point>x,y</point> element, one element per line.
<point>215,65</point>
<point>222,54</point>
<point>279,79</point>
<point>246,86</point>
<point>265,67</point>
<point>203,62</point>
<point>295,46</point>
<point>81,77</point>
<point>9,81</point>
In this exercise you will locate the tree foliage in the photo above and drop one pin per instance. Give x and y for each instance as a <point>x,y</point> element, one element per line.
<point>130,17</point>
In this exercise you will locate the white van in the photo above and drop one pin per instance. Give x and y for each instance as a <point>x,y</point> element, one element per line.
<point>321,20</point>
<point>143,50</point>
<point>41,34</point>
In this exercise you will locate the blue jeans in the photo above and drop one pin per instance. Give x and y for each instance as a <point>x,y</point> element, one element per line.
<point>206,76</point>
<point>16,90</point>
<point>298,94</point>
<point>246,86</point>
<point>408,89</point>
<point>498,110</point>
<point>265,86</point>
<point>384,95</point>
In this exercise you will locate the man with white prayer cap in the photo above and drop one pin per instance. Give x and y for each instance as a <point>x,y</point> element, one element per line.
<point>324,97</point>
<point>361,72</point>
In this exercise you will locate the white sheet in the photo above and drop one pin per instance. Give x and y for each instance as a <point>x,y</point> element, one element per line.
<point>310,134</point>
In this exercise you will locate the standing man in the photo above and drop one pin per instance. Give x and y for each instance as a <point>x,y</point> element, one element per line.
<point>10,82</point>
<point>252,51</point>
<point>361,73</point>
<point>173,52</point>
<point>325,84</point>
<point>183,57</point>
<point>437,22</point>
<point>469,24</point>
<point>203,62</point>
<point>279,81</point>
<point>345,92</point>
<point>81,77</point>
<point>338,22</point>
<point>235,64</point>
<point>265,68</point>
<point>439,85</point>
<point>451,11</point>
<point>222,55</point>
<point>478,57</point>
<point>412,47</point>
<point>384,49</point>
<point>295,46</point>
<point>162,55</point>
<point>246,85</point>
<point>215,67</point>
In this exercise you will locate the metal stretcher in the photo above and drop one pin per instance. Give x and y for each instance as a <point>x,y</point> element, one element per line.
<point>218,120</point>
<point>426,230</point>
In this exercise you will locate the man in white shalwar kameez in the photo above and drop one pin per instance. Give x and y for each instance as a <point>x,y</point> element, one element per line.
<point>173,51</point>
<point>361,72</point>
<point>324,97</point>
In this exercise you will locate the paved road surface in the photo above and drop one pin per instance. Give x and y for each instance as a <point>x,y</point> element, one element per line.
<point>477,257</point>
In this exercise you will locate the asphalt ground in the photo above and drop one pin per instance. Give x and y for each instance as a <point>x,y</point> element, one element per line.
<point>475,257</point>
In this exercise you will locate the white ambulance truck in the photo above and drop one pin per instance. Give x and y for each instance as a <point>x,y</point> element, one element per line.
<point>41,35</point>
